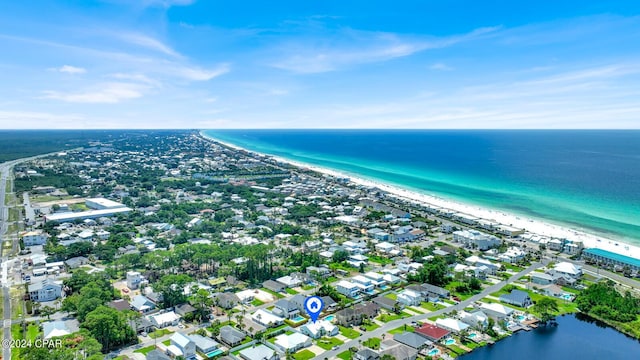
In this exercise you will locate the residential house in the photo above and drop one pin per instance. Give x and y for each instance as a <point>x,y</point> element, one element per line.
<point>204,344</point>
<point>290,343</point>
<point>348,289</point>
<point>319,329</point>
<point>413,340</point>
<point>274,286</point>
<point>432,332</point>
<point>409,297</point>
<point>182,345</point>
<point>45,290</point>
<point>162,320</point>
<point>266,318</point>
<point>367,354</point>
<point>452,325</point>
<point>496,311</point>
<point>259,352</point>
<point>231,336</point>
<point>286,309</point>
<point>142,304</point>
<point>518,298</point>
<point>52,329</point>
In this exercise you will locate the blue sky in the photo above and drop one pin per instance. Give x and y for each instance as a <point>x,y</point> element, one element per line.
<point>320,64</point>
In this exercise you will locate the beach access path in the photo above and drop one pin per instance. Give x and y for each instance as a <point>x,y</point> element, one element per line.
<point>397,323</point>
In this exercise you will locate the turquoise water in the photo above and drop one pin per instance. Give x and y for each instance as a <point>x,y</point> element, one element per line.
<point>586,180</point>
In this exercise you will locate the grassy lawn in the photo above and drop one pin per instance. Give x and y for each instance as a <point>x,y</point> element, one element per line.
<point>373,343</point>
<point>350,333</point>
<point>290,291</point>
<point>431,306</point>
<point>159,333</point>
<point>256,302</point>
<point>392,296</point>
<point>345,355</point>
<point>372,326</point>
<point>327,343</point>
<point>380,260</point>
<point>33,331</point>
<point>304,355</point>
<point>401,329</point>
<point>145,350</point>
<point>390,317</point>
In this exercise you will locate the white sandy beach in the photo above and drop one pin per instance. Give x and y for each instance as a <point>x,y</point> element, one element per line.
<point>532,226</point>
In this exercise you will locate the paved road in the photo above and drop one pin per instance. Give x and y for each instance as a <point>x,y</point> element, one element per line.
<point>5,172</point>
<point>397,323</point>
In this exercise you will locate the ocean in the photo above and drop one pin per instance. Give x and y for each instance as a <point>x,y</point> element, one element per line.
<point>583,179</point>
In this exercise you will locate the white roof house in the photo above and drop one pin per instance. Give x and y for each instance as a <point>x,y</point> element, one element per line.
<point>319,328</point>
<point>293,342</point>
<point>266,318</point>
<point>55,328</point>
<point>568,268</point>
<point>453,325</point>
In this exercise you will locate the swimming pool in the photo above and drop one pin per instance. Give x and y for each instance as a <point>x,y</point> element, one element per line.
<point>298,318</point>
<point>329,318</point>
<point>433,352</point>
<point>449,341</point>
<point>216,352</point>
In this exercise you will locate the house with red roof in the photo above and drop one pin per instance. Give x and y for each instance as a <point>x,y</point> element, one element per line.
<point>432,332</point>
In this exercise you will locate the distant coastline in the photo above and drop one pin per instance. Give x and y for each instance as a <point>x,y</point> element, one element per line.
<point>531,225</point>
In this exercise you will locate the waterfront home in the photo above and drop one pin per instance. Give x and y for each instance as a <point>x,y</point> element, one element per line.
<point>182,345</point>
<point>319,329</point>
<point>452,325</point>
<point>498,312</point>
<point>432,332</point>
<point>231,336</point>
<point>286,309</point>
<point>367,354</point>
<point>518,298</point>
<point>348,288</point>
<point>259,352</point>
<point>266,318</point>
<point>413,340</point>
<point>409,297</point>
<point>477,319</point>
<point>163,320</point>
<point>290,343</point>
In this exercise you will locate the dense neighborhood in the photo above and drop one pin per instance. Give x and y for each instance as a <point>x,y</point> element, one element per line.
<point>170,246</point>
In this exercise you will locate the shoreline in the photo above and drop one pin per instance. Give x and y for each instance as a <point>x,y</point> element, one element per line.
<point>531,226</point>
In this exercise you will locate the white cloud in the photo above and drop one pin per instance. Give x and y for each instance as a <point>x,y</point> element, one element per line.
<point>352,47</point>
<point>71,69</point>
<point>198,74</point>
<point>108,93</point>
<point>441,67</point>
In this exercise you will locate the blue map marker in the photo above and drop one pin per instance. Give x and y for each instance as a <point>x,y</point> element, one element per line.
<point>313,305</point>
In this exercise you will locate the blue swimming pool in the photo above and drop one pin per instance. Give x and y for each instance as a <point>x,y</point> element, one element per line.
<point>214,353</point>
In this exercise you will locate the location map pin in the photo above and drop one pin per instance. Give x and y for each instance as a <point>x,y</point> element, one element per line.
<point>313,305</point>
